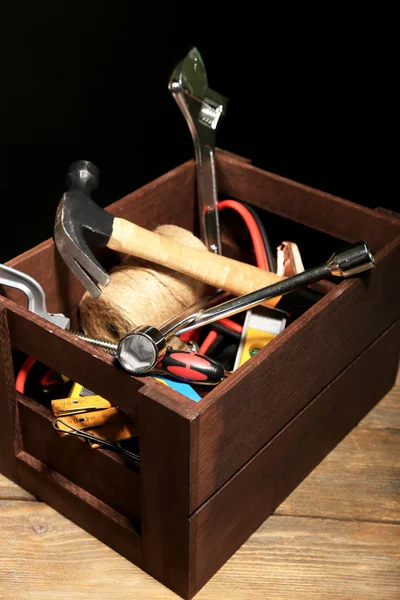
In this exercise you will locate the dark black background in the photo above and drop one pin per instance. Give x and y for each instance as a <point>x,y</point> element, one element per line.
<point>88,79</point>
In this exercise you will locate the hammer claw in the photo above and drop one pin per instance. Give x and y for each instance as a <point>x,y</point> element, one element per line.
<point>88,277</point>
<point>80,260</point>
<point>77,218</point>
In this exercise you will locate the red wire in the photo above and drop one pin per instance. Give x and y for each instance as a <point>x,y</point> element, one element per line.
<point>256,238</point>
<point>23,374</point>
<point>210,339</point>
<point>231,325</point>
<point>50,378</point>
<point>261,258</point>
<point>192,334</point>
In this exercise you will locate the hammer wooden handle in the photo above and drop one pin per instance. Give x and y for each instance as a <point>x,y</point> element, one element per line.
<point>216,270</point>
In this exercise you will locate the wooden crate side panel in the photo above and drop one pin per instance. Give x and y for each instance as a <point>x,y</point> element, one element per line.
<point>223,523</point>
<point>108,476</point>
<point>247,409</point>
<point>308,206</point>
<point>80,507</point>
<point>8,464</point>
<point>165,455</point>
<point>82,362</point>
<point>70,356</point>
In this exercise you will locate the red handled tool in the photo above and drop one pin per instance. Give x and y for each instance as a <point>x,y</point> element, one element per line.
<point>190,367</point>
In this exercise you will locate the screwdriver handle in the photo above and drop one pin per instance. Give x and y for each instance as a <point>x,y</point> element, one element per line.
<point>190,367</point>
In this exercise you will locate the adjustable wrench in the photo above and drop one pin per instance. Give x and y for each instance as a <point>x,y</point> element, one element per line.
<point>202,109</point>
<point>34,293</point>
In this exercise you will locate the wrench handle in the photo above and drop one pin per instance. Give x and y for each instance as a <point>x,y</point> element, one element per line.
<point>207,198</point>
<point>213,269</point>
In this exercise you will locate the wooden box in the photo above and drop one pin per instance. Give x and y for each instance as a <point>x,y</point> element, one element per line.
<point>210,472</point>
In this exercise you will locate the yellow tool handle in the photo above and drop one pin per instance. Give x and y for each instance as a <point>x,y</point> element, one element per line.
<point>88,419</point>
<point>116,432</point>
<point>67,406</point>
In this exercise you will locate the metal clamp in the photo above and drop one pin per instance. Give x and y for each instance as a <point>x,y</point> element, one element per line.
<point>34,293</point>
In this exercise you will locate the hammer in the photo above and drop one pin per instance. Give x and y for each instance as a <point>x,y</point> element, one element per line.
<point>79,222</point>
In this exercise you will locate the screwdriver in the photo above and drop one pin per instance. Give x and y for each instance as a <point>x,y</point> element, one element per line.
<point>190,367</point>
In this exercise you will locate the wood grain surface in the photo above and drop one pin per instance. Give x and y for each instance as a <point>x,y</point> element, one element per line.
<point>336,537</point>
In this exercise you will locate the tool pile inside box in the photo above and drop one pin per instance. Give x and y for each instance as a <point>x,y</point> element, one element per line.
<point>176,308</point>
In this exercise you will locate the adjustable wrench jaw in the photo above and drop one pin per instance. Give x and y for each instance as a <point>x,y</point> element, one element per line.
<point>202,108</point>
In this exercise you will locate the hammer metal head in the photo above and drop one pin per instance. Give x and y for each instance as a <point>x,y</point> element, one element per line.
<point>79,222</point>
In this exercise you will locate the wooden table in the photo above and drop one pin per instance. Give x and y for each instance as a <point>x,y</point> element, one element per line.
<point>337,536</point>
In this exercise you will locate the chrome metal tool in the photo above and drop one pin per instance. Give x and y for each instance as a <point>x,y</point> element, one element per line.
<point>202,109</point>
<point>141,349</point>
<point>34,293</point>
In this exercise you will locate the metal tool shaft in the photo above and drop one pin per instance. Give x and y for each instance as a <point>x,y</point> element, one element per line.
<point>207,193</point>
<point>246,302</point>
<point>139,350</point>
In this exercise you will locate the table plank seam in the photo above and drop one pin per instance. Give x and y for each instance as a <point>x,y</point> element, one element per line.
<point>17,499</point>
<point>340,519</point>
<point>389,429</point>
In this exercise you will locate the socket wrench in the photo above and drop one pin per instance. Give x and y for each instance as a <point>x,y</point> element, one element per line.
<point>141,349</point>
